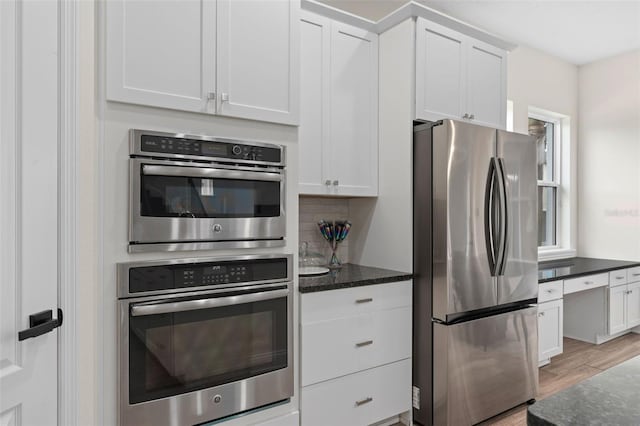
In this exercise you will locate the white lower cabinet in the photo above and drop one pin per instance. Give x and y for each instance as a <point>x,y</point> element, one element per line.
<point>549,329</point>
<point>624,307</point>
<point>357,399</point>
<point>355,354</point>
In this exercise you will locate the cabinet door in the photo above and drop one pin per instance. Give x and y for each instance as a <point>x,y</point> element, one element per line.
<point>313,133</point>
<point>633,305</point>
<point>549,329</point>
<point>258,59</point>
<point>486,84</point>
<point>162,54</point>
<point>353,168</point>
<point>617,309</point>
<point>440,79</point>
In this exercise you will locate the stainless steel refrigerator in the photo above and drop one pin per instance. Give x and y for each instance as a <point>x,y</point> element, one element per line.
<point>476,272</point>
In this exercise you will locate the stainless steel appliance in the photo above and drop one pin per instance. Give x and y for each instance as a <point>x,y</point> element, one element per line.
<point>198,192</point>
<point>475,261</point>
<point>205,338</point>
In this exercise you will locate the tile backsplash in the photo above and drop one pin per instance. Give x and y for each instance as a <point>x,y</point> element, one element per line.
<point>312,210</point>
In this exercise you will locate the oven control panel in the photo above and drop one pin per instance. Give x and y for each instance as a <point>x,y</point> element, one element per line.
<point>172,145</point>
<point>190,276</point>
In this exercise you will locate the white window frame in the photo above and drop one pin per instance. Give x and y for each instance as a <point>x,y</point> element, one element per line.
<point>562,167</point>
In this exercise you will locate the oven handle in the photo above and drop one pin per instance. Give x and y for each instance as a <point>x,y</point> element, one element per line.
<point>139,310</point>
<point>207,173</point>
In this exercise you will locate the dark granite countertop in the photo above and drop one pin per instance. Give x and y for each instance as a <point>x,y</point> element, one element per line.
<point>351,275</point>
<point>577,267</point>
<point>608,398</point>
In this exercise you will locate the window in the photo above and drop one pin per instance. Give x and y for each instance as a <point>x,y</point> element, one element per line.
<point>546,130</point>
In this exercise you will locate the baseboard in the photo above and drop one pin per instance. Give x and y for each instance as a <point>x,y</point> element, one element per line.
<point>582,339</point>
<point>603,339</point>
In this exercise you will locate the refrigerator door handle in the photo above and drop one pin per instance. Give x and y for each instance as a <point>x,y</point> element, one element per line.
<point>501,259</point>
<point>489,216</point>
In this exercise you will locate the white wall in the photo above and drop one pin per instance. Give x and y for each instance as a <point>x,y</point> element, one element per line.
<point>536,79</point>
<point>609,158</point>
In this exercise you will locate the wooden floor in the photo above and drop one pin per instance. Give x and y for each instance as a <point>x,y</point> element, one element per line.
<point>579,361</point>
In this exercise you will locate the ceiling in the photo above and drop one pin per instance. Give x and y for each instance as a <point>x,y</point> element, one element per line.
<point>578,31</point>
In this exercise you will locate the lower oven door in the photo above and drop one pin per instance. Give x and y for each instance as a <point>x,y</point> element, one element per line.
<point>198,357</point>
<point>181,202</point>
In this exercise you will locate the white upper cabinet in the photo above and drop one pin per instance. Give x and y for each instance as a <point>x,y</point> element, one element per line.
<point>162,54</point>
<point>338,133</point>
<point>459,77</point>
<point>232,58</point>
<point>258,61</point>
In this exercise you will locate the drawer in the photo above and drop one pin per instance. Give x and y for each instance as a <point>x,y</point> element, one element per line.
<point>586,283</point>
<point>358,399</point>
<point>633,274</point>
<point>338,347</point>
<point>333,304</point>
<point>549,291</point>
<point>618,277</point>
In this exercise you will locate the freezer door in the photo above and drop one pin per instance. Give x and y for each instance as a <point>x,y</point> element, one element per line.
<point>462,278</point>
<point>518,278</point>
<point>484,367</point>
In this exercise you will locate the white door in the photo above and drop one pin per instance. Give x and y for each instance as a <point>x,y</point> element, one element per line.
<point>162,53</point>
<point>549,329</point>
<point>354,111</point>
<point>259,59</point>
<point>440,78</point>
<point>486,84</point>
<point>313,133</point>
<point>617,309</point>
<point>633,305</point>
<point>29,208</point>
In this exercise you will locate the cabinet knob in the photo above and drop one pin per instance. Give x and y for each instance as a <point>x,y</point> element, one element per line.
<point>471,117</point>
<point>541,314</point>
<point>465,115</point>
<point>336,183</point>
<point>327,182</point>
<point>211,96</point>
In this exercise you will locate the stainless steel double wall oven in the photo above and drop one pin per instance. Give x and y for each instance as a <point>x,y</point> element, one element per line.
<point>199,192</point>
<point>205,338</point>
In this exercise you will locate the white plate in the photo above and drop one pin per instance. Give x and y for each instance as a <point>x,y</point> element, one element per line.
<point>312,270</point>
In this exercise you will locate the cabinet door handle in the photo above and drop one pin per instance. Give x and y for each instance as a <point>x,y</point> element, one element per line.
<point>465,115</point>
<point>367,300</point>
<point>540,314</point>
<point>336,183</point>
<point>327,182</point>
<point>211,96</point>
<point>472,116</point>
<point>365,343</point>
<point>364,401</point>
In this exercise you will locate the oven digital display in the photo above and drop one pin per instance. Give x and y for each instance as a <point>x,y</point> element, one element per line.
<point>214,270</point>
<point>214,149</point>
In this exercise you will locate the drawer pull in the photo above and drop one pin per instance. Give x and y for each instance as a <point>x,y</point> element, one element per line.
<point>636,274</point>
<point>364,401</point>
<point>367,300</point>
<point>365,343</point>
<point>588,282</point>
<point>619,278</point>
<point>550,290</point>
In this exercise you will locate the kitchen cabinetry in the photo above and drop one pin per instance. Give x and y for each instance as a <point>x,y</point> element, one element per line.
<point>338,132</point>
<point>356,354</point>
<point>459,77</point>
<point>624,307</point>
<point>550,321</point>
<point>237,59</point>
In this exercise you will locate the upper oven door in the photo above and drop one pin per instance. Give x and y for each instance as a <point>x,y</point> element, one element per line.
<point>188,202</point>
<point>216,343</point>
